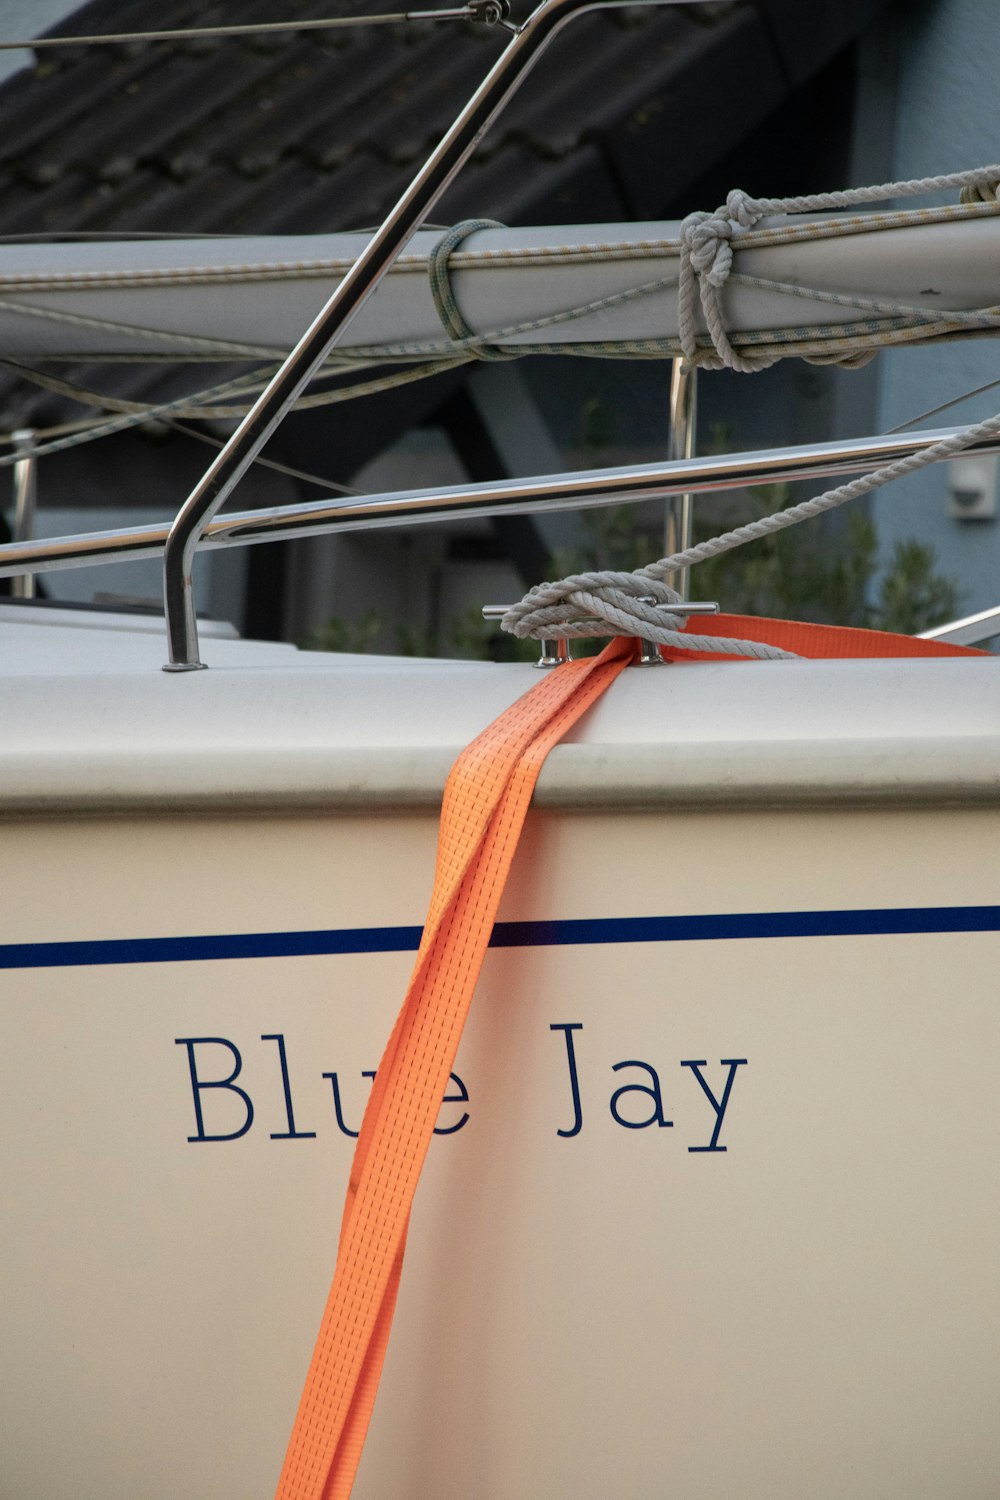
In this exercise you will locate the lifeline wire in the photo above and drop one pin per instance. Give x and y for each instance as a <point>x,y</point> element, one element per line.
<point>933,411</point>
<point>266,463</point>
<point>206,404</point>
<point>261,28</point>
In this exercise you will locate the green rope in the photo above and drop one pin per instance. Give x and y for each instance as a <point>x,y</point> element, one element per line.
<point>443,292</point>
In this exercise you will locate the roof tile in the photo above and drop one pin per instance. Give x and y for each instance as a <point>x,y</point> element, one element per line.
<point>664,142</point>
<point>369,80</point>
<point>39,110</point>
<point>321,131</point>
<point>570,190</point>
<point>598,70</point>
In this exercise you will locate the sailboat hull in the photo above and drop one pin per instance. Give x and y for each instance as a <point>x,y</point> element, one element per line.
<point>713,1204</point>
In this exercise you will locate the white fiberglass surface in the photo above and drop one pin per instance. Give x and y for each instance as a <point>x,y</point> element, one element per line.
<point>614,1286</point>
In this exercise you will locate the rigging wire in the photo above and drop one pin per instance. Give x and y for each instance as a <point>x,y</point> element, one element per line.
<point>265,463</point>
<point>130,414</point>
<point>488,11</point>
<point>126,236</point>
<point>932,411</point>
<point>207,403</point>
<point>888,322</point>
<point>88,428</point>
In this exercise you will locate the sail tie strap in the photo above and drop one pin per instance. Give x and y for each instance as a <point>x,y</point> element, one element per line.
<point>445,301</point>
<point>485,803</point>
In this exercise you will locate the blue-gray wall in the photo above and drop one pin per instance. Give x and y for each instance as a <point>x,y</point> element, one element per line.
<point>21,19</point>
<point>948,87</point>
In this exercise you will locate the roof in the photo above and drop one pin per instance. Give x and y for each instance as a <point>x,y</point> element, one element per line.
<point>199,135</point>
<point>322,130</point>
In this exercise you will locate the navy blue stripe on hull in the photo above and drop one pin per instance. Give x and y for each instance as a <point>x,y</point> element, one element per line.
<point>713,927</point>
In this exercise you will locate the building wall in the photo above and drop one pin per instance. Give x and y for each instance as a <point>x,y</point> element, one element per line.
<point>27,18</point>
<point>946,120</point>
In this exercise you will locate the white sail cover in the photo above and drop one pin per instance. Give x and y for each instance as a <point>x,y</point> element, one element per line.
<point>212,298</point>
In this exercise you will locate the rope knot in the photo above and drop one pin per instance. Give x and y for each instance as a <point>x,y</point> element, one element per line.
<point>598,603</point>
<point>606,603</point>
<point>979,192</point>
<point>705,237</point>
<point>706,262</point>
<point>742,209</point>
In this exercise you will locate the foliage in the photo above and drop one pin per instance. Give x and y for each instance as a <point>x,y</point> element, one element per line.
<point>813,572</point>
<point>912,596</point>
<point>469,635</point>
<point>808,575</point>
<point>466,635</point>
<point>823,572</point>
<point>351,636</point>
<point>412,640</point>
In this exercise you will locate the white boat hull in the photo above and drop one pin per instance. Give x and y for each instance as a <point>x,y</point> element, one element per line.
<point>594,1302</point>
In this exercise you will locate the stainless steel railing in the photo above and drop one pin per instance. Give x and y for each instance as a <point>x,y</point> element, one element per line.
<point>198,524</point>
<point>583,490</point>
<point>528,41</point>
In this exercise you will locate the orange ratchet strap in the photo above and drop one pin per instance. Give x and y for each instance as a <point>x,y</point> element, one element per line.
<point>812,640</point>
<point>485,802</point>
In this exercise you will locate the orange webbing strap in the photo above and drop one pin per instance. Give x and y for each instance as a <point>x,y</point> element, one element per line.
<point>485,803</point>
<point>814,640</point>
<point>484,807</point>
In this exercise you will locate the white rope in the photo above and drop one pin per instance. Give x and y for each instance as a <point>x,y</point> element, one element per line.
<point>855,342</point>
<point>182,342</point>
<point>805,511</point>
<point>590,252</point>
<point>625,603</point>
<point>605,603</point>
<point>707,252</point>
<point>134,418</point>
<point>637,604</point>
<point>209,404</point>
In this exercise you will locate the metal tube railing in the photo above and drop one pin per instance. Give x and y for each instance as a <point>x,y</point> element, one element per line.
<point>679,517</point>
<point>968,631</point>
<point>25,497</point>
<point>576,491</point>
<point>312,349</point>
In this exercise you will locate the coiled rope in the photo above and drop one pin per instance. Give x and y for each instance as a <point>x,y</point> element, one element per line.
<point>707,251</point>
<point>606,603</point>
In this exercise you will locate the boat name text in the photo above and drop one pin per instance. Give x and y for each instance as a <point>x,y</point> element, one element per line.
<point>636,1103</point>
